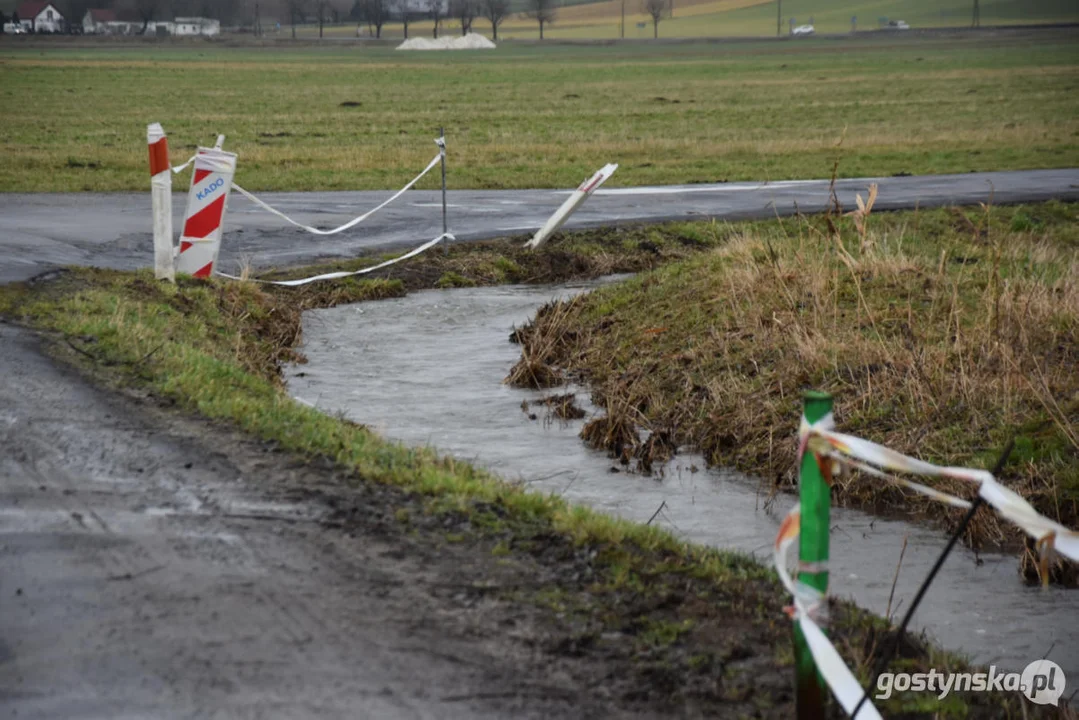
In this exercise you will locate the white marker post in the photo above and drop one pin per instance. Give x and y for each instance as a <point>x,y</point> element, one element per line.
<point>161,193</point>
<point>576,198</point>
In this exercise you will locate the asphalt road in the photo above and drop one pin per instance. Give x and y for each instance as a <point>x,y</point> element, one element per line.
<point>41,231</point>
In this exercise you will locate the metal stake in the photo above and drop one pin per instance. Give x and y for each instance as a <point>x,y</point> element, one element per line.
<point>442,153</point>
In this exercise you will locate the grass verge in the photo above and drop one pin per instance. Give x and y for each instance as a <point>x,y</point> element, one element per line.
<point>941,334</point>
<point>693,630</point>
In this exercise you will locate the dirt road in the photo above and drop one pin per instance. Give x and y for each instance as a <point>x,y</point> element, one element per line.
<point>154,566</point>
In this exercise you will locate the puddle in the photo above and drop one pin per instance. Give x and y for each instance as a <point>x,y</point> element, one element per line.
<point>427,369</point>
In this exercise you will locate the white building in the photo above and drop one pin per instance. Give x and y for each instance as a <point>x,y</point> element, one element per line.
<point>98,22</point>
<point>194,26</point>
<point>40,17</point>
<point>109,22</point>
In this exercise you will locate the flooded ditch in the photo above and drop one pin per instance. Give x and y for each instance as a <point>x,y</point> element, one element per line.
<point>427,369</point>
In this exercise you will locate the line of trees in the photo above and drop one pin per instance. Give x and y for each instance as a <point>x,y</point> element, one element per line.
<point>376,13</point>
<point>373,13</point>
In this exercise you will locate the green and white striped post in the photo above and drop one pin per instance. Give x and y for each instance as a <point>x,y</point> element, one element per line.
<point>815,498</point>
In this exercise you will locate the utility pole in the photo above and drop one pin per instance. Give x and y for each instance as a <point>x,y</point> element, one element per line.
<point>976,21</point>
<point>622,27</point>
<point>779,17</point>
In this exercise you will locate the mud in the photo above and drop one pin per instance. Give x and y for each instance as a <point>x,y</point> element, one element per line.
<point>156,566</point>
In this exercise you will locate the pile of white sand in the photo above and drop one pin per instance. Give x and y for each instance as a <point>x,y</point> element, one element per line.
<point>472,41</point>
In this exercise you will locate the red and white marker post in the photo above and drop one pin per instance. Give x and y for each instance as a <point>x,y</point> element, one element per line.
<point>161,190</point>
<point>574,201</point>
<point>211,183</point>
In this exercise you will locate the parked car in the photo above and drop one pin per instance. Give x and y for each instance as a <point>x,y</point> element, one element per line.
<point>803,30</point>
<point>898,25</point>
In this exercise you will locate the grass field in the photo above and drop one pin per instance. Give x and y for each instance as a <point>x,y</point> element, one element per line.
<point>528,116</point>
<point>751,18</point>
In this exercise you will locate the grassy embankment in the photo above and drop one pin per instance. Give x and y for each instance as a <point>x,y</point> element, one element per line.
<point>535,116</point>
<point>697,629</point>
<point>941,334</point>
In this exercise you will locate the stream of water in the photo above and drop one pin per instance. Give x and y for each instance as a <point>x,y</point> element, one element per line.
<point>427,369</point>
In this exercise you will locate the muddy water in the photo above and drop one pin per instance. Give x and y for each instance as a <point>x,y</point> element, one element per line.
<point>427,369</point>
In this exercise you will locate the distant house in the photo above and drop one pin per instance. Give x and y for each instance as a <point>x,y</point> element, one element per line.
<point>98,22</point>
<point>40,17</point>
<point>111,22</point>
<point>195,26</point>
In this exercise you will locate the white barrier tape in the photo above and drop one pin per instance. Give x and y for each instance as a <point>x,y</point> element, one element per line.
<point>806,597</point>
<point>835,672</point>
<point>808,605</point>
<point>350,224</point>
<point>871,457</point>
<point>337,275</point>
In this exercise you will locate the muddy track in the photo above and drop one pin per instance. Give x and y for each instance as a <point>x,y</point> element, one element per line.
<point>156,566</point>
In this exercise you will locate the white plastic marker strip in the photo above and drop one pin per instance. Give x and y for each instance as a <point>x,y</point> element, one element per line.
<point>338,275</point>
<point>573,202</point>
<point>808,601</point>
<point>351,223</point>
<point>835,672</point>
<point>161,195</point>
<point>1009,504</point>
<point>200,240</point>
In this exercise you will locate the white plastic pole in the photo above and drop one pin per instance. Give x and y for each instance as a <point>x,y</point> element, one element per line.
<point>211,182</point>
<point>161,193</point>
<point>575,200</point>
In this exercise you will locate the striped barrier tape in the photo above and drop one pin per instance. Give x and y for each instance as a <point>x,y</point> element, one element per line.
<point>351,223</point>
<point>876,459</point>
<point>809,606</point>
<point>343,274</point>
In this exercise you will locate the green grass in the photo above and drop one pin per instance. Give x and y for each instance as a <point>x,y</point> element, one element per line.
<point>942,334</point>
<point>517,117</point>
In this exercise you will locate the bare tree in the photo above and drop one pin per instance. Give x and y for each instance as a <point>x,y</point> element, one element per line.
<point>543,12</point>
<point>465,11</point>
<point>655,8</point>
<point>297,10</point>
<point>321,6</point>
<point>976,19</point>
<point>495,11</point>
<point>374,12</point>
<point>436,9</point>
<point>145,10</point>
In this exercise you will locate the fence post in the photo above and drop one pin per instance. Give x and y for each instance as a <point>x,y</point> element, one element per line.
<point>161,198</point>
<point>815,498</point>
